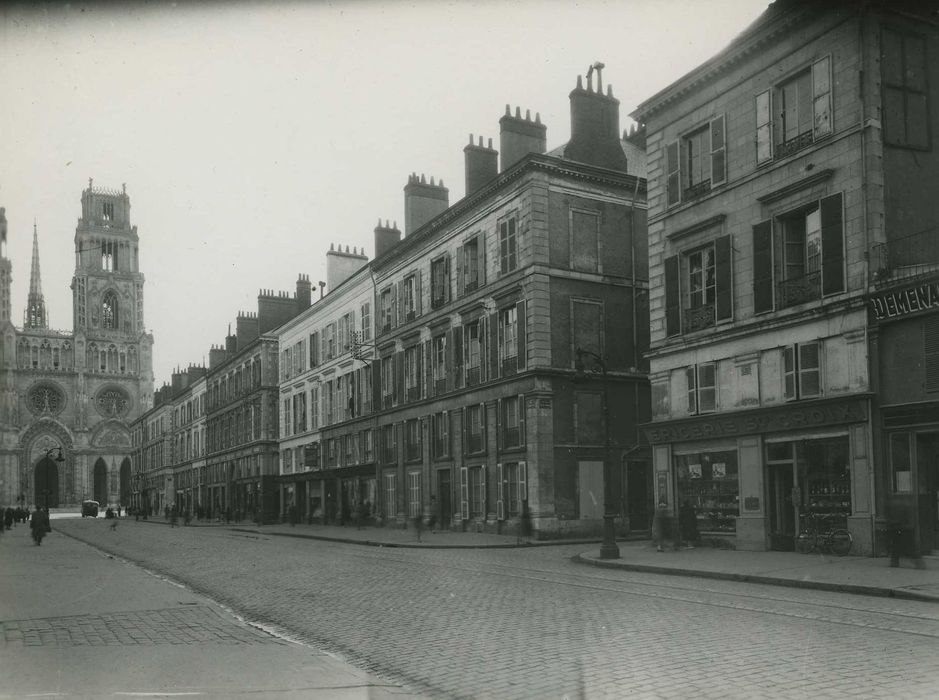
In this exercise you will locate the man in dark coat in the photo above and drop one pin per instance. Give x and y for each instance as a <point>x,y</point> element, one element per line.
<point>39,523</point>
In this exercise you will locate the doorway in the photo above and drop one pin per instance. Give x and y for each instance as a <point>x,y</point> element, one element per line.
<point>781,509</point>
<point>638,495</point>
<point>47,483</point>
<point>125,482</point>
<point>100,484</point>
<point>927,492</point>
<point>443,498</point>
<point>591,490</point>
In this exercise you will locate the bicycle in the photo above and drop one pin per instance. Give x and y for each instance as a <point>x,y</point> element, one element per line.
<point>834,540</point>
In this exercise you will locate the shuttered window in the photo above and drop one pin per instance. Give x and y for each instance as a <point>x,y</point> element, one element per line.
<point>931,353</point>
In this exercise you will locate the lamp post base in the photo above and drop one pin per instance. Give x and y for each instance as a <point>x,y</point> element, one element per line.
<point>608,549</point>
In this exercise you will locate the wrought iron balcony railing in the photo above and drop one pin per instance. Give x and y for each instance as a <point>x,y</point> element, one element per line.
<point>697,318</point>
<point>798,290</point>
<point>906,257</point>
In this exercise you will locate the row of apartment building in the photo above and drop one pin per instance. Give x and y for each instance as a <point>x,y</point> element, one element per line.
<point>480,371</point>
<point>759,341</point>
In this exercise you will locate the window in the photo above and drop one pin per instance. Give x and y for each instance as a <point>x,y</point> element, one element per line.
<point>508,332</point>
<point>795,113</point>
<point>414,494</point>
<point>391,496</point>
<point>287,458</point>
<point>367,448</point>
<point>470,265</point>
<point>109,256</point>
<point>440,281</point>
<point>412,371</point>
<point>508,246</point>
<point>702,283</point>
<point>314,349</point>
<point>906,110</point>
<point>107,211</point>
<point>512,491</point>
<point>589,421</point>
<point>798,257</point>
<point>474,427</point>
<point>696,162</point>
<point>412,440</point>
<point>387,380</point>
<point>365,327</point>
<point>702,388</point>
<point>801,371</point>
<point>287,424</point>
<point>476,491</point>
<point>901,462</point>
<point>411,299</point>
<point>299,412</point>
<point>387,310</point>
<point>472,338</point>
<point>389,444</point>
<point>585,241</point>
<point>586,326</point>
<point>698,287</point>
<point>441,434</point>
<point>709,482</point>
<point>109,317</point>
<point>315,408</point>
<point>439,362</point>
<point>512,421</point>
<point>332,454</point>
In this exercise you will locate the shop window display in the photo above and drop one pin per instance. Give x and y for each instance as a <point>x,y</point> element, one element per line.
<point>708,481</point>
<point>826,482</point>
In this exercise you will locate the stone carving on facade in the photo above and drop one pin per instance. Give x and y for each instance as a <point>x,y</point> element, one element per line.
<point>45,399</point>
<point>111,402</point>
<point>112,437</point>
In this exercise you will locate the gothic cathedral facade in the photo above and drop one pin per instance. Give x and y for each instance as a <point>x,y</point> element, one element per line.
<point>67,399</point>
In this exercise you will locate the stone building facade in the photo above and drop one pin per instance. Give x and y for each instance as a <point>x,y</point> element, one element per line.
<point>78,390</point>
<point>773,182</point>
<point>482,370</point>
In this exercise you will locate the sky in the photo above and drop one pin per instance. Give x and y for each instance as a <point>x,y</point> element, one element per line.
<point>251,136</point>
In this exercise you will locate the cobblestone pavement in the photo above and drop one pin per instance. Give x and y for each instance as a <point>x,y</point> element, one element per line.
<point>530,624</point>
<point>194,625</point>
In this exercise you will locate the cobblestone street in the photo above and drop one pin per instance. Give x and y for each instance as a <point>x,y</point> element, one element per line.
<point>527,623</point>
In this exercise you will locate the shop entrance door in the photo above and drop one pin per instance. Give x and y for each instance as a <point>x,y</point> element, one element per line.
<point>443,498</point>
<point>639,495</point>
<point>927,468</point>
<point>782,515</point>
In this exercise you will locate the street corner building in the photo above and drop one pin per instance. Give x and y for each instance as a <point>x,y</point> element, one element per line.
<point>794,255</point>
<point>67,398</point>
<point>485,371</point>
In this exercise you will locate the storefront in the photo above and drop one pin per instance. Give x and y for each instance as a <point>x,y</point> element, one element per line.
<point>755,478</point>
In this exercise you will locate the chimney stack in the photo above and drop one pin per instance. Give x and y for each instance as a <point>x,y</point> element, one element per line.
<point>386,237</point>
<point>595,134</point>
<point>482,164</point>
<point>217,356</point>
<point>342,264</point>
<point>520,136</point>
<point>304,295</point>
<point>423,201</point>
<point>246,328</point>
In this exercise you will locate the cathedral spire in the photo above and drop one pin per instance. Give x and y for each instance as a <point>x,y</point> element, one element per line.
<point>35,316</point>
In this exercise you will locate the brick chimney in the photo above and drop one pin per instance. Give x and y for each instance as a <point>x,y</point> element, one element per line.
<point>520,136</point>
<point>246,328</point>
<point>595,134</point>
<point>304,295</point>
<point>217,356</point>
<point>342,264</point>
<point>386,237</point>
<point>274,309</point>
<point>423,201</point>
<point>482,164</point>
<point>231,344</point>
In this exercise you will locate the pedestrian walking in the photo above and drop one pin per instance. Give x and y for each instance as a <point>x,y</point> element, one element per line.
<point>662,528</point>
<point>39,525</point>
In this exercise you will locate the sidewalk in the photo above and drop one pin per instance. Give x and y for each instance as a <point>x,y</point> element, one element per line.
<point>78,623</point>
<point>859,575</point>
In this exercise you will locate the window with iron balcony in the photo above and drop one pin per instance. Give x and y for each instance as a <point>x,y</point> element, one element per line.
<point>699,287</point>
<point>696,162</point>
<point>440,281</point>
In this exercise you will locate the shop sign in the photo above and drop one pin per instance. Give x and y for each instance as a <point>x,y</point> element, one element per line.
<point>791,417</point>
<point>907,301</point>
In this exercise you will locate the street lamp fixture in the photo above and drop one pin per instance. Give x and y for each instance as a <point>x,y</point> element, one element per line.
<point>596,366</point>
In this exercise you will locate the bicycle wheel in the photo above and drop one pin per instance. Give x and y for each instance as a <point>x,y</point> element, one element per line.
<point>804,543</point>
<point>839,542</point>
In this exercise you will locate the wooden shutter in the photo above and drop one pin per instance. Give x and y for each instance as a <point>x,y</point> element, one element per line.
<point>484,490</point>
<point>456,368</point>
<point>464,425</point>
<point>500,492</point>
<point>692,383</point>
<point>832,244</point>
<point>495,361</point>
<point>789,372</point>
<point>723,273</point>
<point>500,424</point>
<point>483,427</point>
<point>520,309</point>
<point>672,297</point>
<point>419,292</point>
<point>398,377</point>
<point>718,152</point>
<point>673,173</point>
<point>821,97</point>
<point>764,127</point>
<point>931,353</point>
<point>522,486</point>
<point>763,267</point>
<point>428,388</point>
<point>447,280</point>
<point>521,419</point>
<point>483,348</point>
<point>481,260</point>
<point>464,493</point>
<point>460,280</point>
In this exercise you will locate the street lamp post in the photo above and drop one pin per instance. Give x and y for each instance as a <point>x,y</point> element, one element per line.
<point>608,548</point>
<point>58,458</point>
